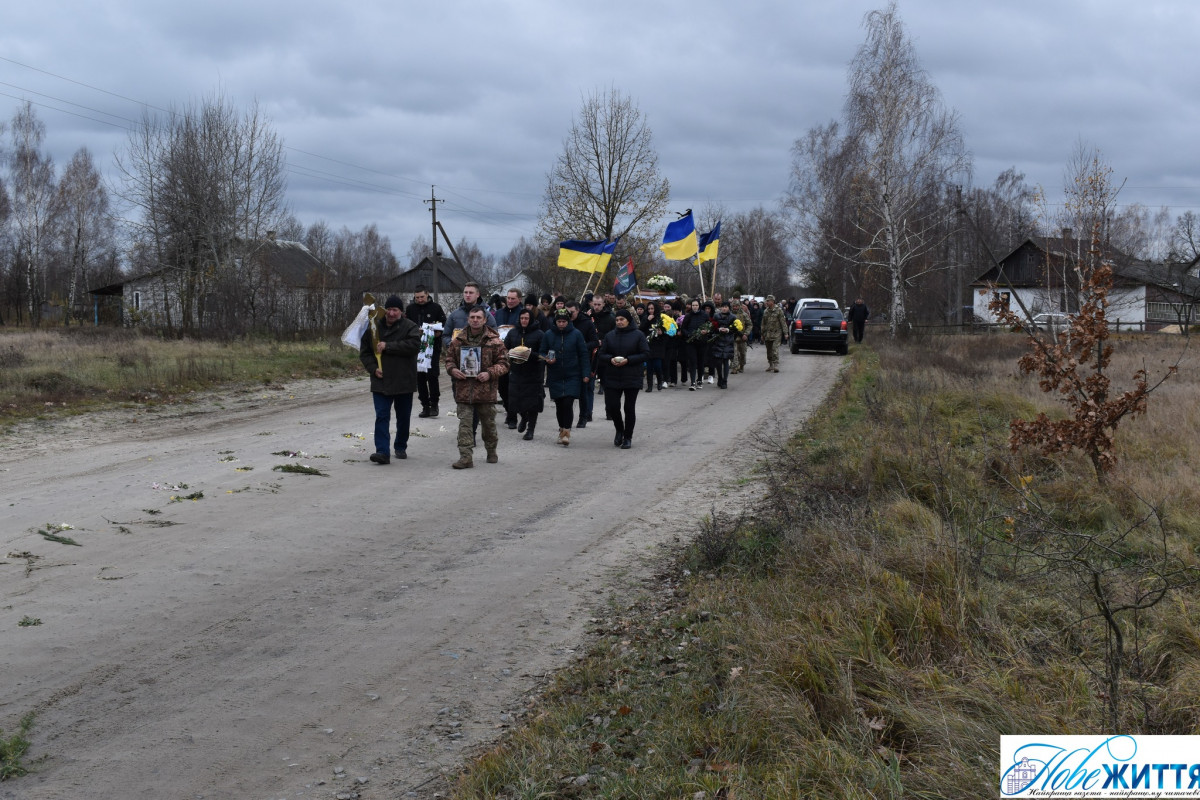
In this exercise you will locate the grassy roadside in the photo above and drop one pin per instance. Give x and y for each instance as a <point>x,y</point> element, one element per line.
<point>76,369</point>
<point>896,606</point>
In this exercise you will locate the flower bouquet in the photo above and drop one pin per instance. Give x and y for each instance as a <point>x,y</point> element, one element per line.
<point>660,283</point>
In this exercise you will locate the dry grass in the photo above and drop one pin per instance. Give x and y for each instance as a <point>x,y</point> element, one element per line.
<point>78,368</point>
<point>892,617</point>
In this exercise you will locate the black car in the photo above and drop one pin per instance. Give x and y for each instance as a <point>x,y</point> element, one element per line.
<point>820,329</point>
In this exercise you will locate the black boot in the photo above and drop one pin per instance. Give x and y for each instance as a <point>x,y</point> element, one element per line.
<point>529,426</point>
<point>433,409</point>
<point>424,411</point>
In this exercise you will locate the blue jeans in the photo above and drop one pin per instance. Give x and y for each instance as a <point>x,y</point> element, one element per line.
<point>383,414</point>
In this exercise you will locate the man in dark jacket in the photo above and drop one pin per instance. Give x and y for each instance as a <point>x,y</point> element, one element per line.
<point>604,320</point>
<point>508,317</point>
<point>859,313</point>
<point>583,323</point>
<point>389,353</point>
<point>421,311</point>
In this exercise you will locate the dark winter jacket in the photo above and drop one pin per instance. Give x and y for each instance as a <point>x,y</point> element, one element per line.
<point>564,378</point>
<point>656,335</point>
<point>722,343</point>
<point>508,316</point>
<point>526,380</point>
<point>858,313</point>
<point>428,312</point>
<point>402,342</point>
<point>629,343</point>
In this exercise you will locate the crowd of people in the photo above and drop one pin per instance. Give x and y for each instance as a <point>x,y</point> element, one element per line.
<point>515,351</point>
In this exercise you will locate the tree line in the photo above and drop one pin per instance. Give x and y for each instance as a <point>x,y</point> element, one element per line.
<point>881,203</point>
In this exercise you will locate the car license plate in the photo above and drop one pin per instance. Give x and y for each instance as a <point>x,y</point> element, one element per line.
<point>821,328</point>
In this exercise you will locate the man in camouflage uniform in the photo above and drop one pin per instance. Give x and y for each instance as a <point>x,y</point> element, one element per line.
<point>774,329</point>
<point>739,352</point>
<point>476,393</point>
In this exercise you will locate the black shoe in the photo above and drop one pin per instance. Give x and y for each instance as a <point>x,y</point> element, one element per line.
<point>521,426</point>
<point>626,444</point>
<point>401,454</point>
<point>582,423</point>
<point>381,458</point>
<point>424,411</point>
<point>433,410</point>
<point>620,437</point>
<point>528,435</point>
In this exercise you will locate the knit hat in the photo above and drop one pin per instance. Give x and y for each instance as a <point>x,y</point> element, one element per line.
<point>394,301</point>
<point>626,313</point>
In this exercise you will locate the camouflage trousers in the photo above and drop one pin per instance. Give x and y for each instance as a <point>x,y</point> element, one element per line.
<point>772,352</point>
<point>466,427</point>
<point>739,354</point>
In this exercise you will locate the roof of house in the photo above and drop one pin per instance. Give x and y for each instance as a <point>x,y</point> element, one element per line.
<point>291,262</point>
<point>452,277</point>
<point>1127,271</point>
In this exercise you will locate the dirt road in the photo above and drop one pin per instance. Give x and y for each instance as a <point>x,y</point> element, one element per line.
<point>288,636</point>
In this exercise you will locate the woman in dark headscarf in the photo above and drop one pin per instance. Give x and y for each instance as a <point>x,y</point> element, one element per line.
<point>568,367</point>
<point>527,372</point>
<point>623,352</point>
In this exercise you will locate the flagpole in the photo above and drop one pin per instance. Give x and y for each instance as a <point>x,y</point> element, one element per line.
<point>700,272</point>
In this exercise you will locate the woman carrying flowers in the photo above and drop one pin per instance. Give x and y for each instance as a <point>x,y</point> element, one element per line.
<point>695,329</point>
<point>726,328</point>
<point>656,336</point>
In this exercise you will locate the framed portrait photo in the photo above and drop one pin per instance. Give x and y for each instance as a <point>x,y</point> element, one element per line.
<point>470,361</point>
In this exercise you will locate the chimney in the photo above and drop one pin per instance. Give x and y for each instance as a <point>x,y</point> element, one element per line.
<point>270,236</point>
<point>1067,234</point>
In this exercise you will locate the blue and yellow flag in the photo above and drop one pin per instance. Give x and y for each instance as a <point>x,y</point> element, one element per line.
<point>708,244</point>
<point>608,254</point>
<point>584,256</point>
<point>679,242</point>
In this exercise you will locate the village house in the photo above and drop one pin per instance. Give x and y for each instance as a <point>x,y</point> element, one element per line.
<point>273,285</point>
<point>1040,272</point>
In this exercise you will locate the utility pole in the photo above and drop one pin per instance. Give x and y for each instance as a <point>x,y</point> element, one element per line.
<point>433,201</point>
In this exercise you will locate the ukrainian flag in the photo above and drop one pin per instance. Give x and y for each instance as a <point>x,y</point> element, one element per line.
<point>609,249</point>
<point>679,242</point>
<point>584,256</point>
<point>708,244</point>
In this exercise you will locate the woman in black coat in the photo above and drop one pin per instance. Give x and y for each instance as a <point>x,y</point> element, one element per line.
<point>657,337</point>
<point>695,348</point>
<point>623,354</point>
<point>568,369</point>
<point>526,379</point>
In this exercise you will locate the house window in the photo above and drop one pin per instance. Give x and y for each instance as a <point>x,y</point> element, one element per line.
<point>137,301</point>
<point>1005,298</point>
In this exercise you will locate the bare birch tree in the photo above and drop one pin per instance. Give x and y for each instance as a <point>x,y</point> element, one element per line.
<point>31,174</point>
<point>86,232</point>
<point>889,171</point>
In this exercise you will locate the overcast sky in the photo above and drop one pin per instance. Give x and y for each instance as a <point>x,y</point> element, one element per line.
<point>378,100</point>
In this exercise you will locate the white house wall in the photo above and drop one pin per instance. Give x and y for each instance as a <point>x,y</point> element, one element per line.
<point>1127,305</point>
